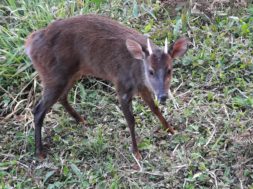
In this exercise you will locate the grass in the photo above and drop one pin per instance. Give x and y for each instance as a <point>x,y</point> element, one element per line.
<point>213,102</point>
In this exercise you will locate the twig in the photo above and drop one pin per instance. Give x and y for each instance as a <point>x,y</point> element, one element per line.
<point>241,93</point>
<point>15,110</point>
<point>246,161</point>
<point>24,165</point>
<point>214,177</point>
<point>176,106</point>
<point>226,112</point>
<point>175,149</point>
<point>178,87</point>
<point>182,94</point>
<point>121,154</point>
<point>138,163</point>
<point>9,94</point>
<point>213,133</point>
<point>241,183</point>
<point>155,173</point>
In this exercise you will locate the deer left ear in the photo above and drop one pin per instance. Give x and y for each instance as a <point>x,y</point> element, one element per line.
<point>135,49</point>
<point>179,48</point>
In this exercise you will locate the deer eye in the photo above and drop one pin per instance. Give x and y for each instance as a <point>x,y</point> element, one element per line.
<point>168,71</point>
<point>151,72</point>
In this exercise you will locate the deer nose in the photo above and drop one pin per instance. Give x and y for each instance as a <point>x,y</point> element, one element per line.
<point>162,98</point>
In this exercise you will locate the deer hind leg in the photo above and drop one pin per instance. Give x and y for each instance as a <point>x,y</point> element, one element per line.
<point>64,101</point>
<point>71,110</point>
<point>51,93</point>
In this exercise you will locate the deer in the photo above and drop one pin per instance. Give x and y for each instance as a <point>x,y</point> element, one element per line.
<point>91,45</point>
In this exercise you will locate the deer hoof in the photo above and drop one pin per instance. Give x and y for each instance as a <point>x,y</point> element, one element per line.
<point>41,154</point>
<point>137,155</point>
<point>171,131</point>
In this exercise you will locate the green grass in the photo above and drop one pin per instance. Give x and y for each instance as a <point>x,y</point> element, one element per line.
<point>212,101</point>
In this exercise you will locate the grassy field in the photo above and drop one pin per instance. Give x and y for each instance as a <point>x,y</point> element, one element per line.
<point>211,108</point>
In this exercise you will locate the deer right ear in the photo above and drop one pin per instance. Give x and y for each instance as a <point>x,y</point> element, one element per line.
<point>179,47</point>
<point>135,49</point>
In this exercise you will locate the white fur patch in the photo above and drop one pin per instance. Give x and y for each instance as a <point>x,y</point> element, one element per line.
<point>146,79</point>
<point>27,51</point>
<point>124,97</point>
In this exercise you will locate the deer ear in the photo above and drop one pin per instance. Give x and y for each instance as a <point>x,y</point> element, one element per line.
<point>179,48</point>
<point>135,49</point>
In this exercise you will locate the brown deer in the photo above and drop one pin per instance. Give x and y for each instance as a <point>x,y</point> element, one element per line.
<point>92,45</point>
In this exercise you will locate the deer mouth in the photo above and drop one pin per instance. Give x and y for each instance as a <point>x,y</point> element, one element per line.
<point>162,98</point>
